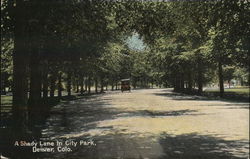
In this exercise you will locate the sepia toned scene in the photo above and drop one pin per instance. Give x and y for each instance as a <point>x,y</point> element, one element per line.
<point>143,79</point>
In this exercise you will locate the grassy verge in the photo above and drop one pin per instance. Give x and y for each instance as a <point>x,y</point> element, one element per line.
<point>6,103</point>
<point>241,93</point>
<point>6,100</point>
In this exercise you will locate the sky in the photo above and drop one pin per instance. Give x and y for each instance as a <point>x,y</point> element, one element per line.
<point>135,43</point>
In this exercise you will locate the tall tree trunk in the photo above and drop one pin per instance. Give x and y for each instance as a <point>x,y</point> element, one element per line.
<point>73,83</point>
<point>116,85</point>
<point>200,86</point>
<point>35,71</point>
<point>221,81</point>
<point>177,83</point>
<point>102,85</point>
<point>45,79</point>
<point>86,84</point>
<point>200,78</point>
<point>59,85</point>
<point>89,85</point>
<point>52,84</point>
<point>69,81</point>
<point>190,82</point>
<point>112,84</point>
<point>35,85</point>
<point>82,84</point>
<point>20,84</point>
<point>134,83</point>
<point>20,70</point>
<point>20,80</point>
<point>96,85</point>
<point>199,72</point>
<point>182,82</point>
<point>77,85</point>
<point>241,82</point>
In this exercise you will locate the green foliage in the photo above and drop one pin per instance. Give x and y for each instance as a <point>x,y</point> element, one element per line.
<point>186,40</point>
<point>228,73</point>
<point>241,74</point>
<point>6,63</point>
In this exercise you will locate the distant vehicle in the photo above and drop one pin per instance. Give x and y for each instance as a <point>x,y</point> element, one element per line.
<point>125,85</point>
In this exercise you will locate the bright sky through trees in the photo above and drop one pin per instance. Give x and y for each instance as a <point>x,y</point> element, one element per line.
<point>135,43</point>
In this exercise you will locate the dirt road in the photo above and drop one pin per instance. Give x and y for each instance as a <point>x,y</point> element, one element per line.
<point>153,123</point>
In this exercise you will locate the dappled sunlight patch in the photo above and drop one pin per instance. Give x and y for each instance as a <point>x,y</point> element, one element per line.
<point>177,125</point>
<point>91,132</point>
<point>140,114</point>
<point>139,119</point>
<point>141,100</point>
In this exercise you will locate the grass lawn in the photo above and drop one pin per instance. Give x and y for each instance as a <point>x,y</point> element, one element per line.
<point>238,91</point>
<point>6,103</point>
<point>6,100</point>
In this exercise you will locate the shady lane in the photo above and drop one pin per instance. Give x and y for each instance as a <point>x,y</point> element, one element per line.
<point>149,123</point>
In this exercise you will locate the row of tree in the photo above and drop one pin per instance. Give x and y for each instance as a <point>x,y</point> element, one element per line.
<point>207,38</point>
<point>51,46</point>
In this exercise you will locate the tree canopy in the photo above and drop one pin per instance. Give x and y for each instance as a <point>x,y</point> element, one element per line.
<point>57,45</point>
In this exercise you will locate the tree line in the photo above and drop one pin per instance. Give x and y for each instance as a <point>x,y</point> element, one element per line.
<point>51,46</point>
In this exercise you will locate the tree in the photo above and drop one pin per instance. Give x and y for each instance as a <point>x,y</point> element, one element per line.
<point>227,31</point>
<point>228,74</point>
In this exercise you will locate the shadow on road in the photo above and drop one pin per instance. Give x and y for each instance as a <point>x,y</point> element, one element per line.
<point>124,133</point>
<point>204,147</point>
<point>81,116</point>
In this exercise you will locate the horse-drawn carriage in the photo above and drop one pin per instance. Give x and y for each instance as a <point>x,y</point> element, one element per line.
<point>125,85</point>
